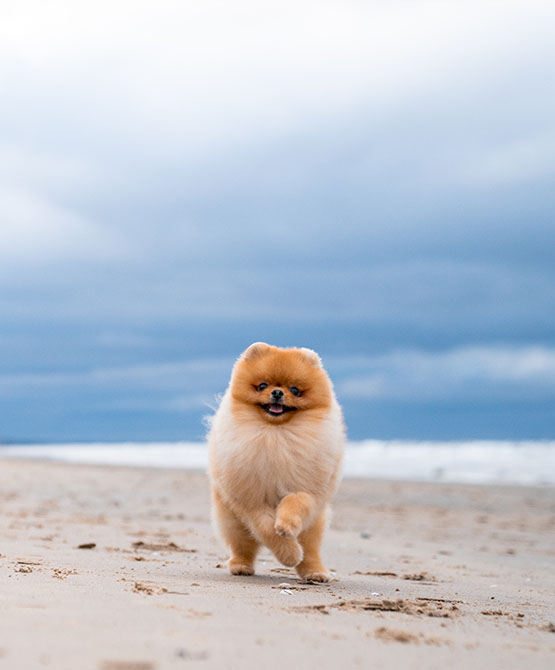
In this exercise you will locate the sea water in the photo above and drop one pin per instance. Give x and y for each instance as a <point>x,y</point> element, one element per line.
<point>473,462</point>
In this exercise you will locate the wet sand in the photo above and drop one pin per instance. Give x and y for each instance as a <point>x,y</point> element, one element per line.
<point>119,569</point>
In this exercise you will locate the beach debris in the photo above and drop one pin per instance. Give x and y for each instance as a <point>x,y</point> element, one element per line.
<point>87,545</point>
<point>419,577</point>
<point>28,563</point>
<point>395,635</point>
<point>292,587</point>
<point>155,548</point>
<point>375,573</point>
<point>24,568</point>
<point>127,665</point>
<point>284,585</point>
<point>500,613</point>
<point>150,589</point>
<point>61,573</point>
<point>550,628</point>
<point>286,592</point>
<point>139,587</point>
<point>392,635</point>
<point>432,607</point>
<point>366,535</point>
<point>375,593</point>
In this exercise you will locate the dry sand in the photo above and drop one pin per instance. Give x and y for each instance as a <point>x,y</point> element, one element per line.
<point>428,576</point>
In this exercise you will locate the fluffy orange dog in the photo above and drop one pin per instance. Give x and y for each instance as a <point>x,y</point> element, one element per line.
<point>276,445</point>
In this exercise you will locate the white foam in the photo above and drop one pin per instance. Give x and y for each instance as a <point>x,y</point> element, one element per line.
<point>475,462</point>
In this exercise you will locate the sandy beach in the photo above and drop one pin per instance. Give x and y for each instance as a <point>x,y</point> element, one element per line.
<point>110,568</point>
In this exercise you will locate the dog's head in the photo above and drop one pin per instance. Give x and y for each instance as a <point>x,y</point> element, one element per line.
<point>277,385</point>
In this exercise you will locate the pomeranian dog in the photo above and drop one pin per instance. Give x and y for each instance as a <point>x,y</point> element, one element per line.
<point>276,447</point>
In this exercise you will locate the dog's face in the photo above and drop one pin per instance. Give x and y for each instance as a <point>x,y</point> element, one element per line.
<point>279,385</point>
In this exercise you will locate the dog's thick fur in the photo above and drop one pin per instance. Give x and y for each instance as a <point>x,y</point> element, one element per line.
<point>273,475</point>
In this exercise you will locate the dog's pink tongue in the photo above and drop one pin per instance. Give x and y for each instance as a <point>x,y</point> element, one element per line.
<point>276,409</point>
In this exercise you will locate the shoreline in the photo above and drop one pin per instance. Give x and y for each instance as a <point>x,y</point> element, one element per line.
<point>426,575</point>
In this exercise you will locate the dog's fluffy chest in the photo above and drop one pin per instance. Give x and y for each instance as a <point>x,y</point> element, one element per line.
<point>267,467</point>
<point>260,467</point>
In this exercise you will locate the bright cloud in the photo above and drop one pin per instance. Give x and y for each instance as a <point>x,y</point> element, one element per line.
<point>469,372</point>
<point>36,229</point>
<point>199,77</point>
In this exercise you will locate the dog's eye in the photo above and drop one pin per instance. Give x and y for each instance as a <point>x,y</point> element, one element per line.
<point>262,386</point>
<point>294,390</point>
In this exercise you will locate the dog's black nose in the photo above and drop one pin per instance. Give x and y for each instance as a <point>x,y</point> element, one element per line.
<point>277,394</point>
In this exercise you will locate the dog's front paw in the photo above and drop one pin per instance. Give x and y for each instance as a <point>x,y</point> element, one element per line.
<point>288,552</point>
<point>289,526</point>
<point>238,566</point>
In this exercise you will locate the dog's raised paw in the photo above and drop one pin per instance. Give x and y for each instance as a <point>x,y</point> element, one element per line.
<point>290,527</point>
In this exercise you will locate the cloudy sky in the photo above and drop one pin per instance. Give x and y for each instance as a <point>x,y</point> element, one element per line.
<point>370,179</point>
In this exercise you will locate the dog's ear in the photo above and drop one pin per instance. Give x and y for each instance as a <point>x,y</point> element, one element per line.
<point>255,350</point>
<point>312,356</point>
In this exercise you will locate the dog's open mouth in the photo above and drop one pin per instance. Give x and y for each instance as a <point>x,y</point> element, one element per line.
<point>275,409</point>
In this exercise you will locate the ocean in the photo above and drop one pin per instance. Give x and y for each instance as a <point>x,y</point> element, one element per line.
<point>471,462</point>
